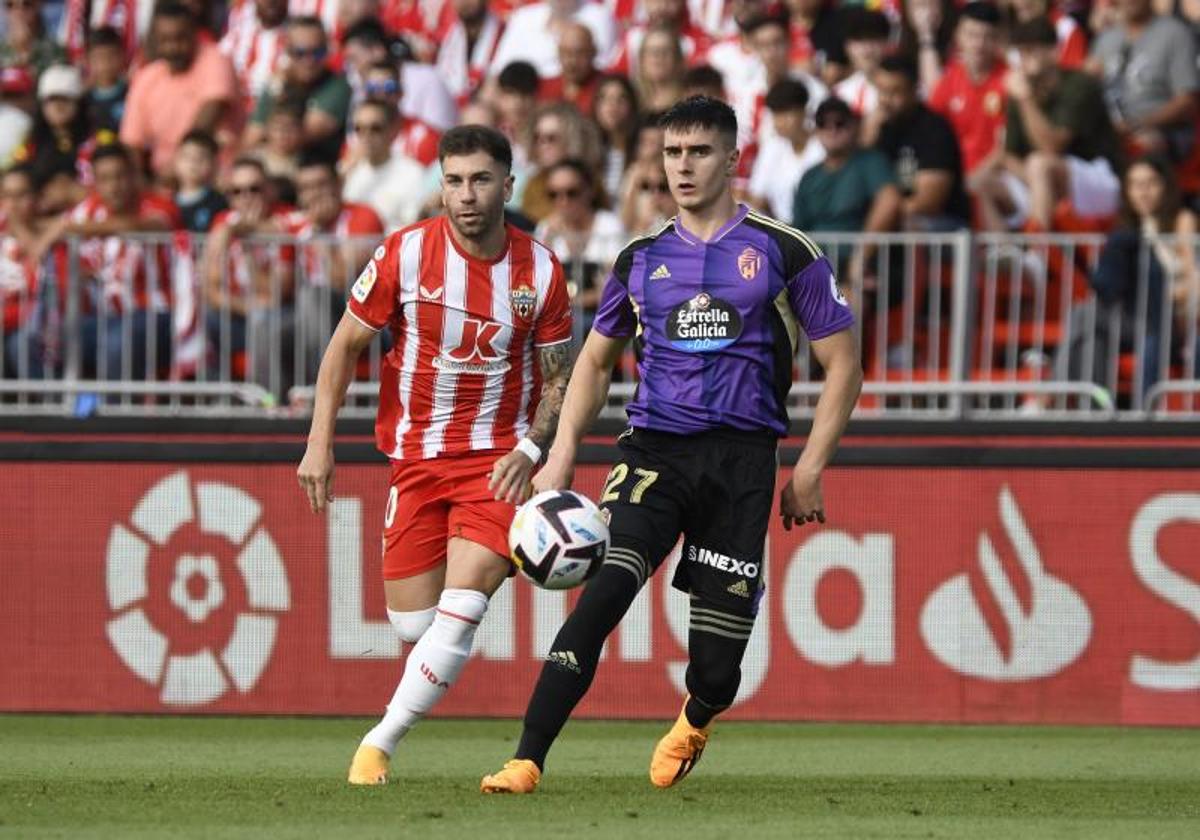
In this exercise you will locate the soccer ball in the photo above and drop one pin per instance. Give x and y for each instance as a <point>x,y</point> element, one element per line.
<point>558,539</point>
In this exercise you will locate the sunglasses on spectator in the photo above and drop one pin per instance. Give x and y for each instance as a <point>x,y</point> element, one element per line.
<point>370,128</point>
<point>570,193</point>
<point>249,189</point>
<point>545,137</point>
<point>659,187</point>
<point>13,5</point>
<point>386,88</point>
<point>315,53</point>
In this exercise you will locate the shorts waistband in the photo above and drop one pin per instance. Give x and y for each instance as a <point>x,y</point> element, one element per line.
<point>762,438</point>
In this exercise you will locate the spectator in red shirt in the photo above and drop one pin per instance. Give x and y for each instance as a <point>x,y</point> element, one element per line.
<point>19,231</point>
<point>577,60</point>
<point>247,284</point>
<point>340,238</point>
<point>970,93</point>
<point>468,47</point>
<point>121,287</point>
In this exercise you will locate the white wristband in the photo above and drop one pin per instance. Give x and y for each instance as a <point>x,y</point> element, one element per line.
<point>530,449</point>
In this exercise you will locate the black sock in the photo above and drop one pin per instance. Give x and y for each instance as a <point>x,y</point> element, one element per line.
<point>571,664</point>
<point>714,662</point>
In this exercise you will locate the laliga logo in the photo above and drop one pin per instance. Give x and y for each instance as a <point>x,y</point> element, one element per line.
<point>1044,640</point>
<point>226,517</point>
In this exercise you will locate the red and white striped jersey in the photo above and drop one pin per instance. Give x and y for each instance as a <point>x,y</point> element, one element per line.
<point>461,375</point>
<point>257,52</point>
<point>354,221</point>
<point>127,274</point>
<point>247,259</point>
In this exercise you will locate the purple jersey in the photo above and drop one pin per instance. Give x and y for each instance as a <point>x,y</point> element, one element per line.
<point>717,322</point>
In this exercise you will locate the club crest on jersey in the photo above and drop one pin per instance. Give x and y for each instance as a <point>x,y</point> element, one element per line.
<point>749,262</point>
<point>524,299</point>
<point>365,282</point>
<point>703,324</point>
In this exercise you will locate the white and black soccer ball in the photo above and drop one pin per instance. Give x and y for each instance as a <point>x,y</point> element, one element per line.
<point>558,539</point>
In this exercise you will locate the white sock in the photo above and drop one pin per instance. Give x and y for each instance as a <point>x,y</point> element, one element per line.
<point>433,665</point>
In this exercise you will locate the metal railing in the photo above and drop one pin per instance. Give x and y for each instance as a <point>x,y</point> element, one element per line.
<point>950,326</point>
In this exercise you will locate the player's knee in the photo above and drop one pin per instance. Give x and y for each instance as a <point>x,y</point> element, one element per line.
<point>714,682</point>
<point>411,626</point>
<point>459,612</point>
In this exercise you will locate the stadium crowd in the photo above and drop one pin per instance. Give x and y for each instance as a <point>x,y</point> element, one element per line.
<point>303,117</point>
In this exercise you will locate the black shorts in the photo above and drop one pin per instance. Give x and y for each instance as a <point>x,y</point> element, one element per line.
<point>716,489</point>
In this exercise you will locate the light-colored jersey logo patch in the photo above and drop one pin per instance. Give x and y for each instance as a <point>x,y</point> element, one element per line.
<point>837,292</point>
<point>365,282</point>
<point>661,273</point>
<point>524,300</point>
<point>750,262</point>
<point>428,295</point>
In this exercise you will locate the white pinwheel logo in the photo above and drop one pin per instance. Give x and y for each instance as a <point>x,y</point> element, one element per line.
<point>216,519</point>
<point>1043,639</point>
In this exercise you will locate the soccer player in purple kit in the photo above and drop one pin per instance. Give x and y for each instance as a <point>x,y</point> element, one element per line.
<point>715,301</point>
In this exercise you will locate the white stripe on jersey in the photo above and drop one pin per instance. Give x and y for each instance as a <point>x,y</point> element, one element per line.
<point>543,270</point>
<point>445,384</point>
<point>493,390</point>
<point>410,272</point>
<point>521,426</point>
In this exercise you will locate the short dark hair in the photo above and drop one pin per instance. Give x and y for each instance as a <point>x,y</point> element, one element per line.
<point>703,76</point>
<point>981,11</point>
<point>866,25</point>
<point>312,156</point>
<point>105,36</point>
<point>173,9</point>
<point>787,95</point>
<point>112,151</point>
<point>701,112</point>
<point>773,17</point>
<point>203,139</point>
<point>833,107</point>
<point>901,65</point>
<point>468,139</point>
<point>1038,32</point>
<point>23,169</point>
<point>519,77</point>
<point>369,29</point>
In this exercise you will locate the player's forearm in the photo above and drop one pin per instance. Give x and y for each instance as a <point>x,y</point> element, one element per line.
<point>555,362</point>
<point>337,369</point>
<point>843,381</point>
<point>585,396</point>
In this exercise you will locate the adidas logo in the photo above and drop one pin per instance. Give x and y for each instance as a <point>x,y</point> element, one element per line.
<point>741,589</point>
<point>565,659</point>
<point>661,273</point>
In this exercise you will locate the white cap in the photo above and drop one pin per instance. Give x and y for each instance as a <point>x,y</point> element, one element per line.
<point>60,80</point>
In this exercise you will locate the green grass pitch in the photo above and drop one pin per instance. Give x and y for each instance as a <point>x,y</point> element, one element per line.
<point>132,777</point>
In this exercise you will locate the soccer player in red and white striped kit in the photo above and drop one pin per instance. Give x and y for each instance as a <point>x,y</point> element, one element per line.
<point>469,397</point>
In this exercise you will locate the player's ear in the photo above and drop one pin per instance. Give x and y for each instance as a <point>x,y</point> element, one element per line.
<point>509,181</point>
<point>732,163</point>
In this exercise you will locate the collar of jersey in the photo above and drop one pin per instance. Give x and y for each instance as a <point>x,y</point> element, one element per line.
<point>691,238</point>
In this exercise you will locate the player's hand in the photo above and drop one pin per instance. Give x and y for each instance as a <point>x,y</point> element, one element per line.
<point>509,480</point>
<point>801,500</point>
<point>556,475</point>
<point>316,476</point>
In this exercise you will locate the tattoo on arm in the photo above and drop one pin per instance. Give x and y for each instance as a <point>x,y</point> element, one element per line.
<point>555,362</point>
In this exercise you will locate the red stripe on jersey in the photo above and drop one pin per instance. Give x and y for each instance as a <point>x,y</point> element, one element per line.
<point>520,276</point>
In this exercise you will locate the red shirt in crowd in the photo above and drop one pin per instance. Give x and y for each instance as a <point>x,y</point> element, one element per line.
<point>18,280</point>
<point>975,111</point>
<point>119,267</point>
<point>354,220</point>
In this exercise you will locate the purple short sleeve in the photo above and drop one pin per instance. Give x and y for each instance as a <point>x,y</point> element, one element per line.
<point>615,317</point>
<point>819,306</point>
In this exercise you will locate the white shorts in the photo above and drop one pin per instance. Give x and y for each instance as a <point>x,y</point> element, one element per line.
<point>1093,189</point>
